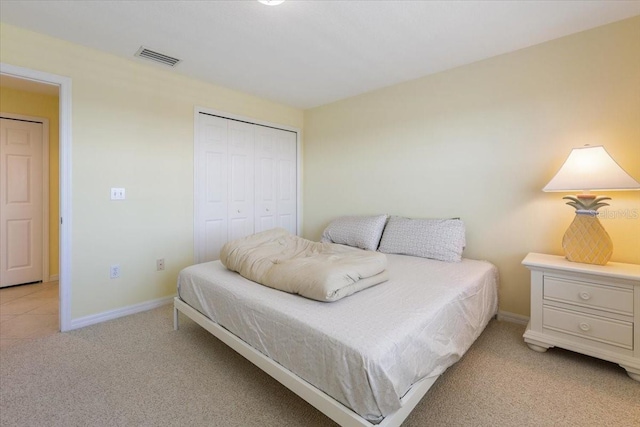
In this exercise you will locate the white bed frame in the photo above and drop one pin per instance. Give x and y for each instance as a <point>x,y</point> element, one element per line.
<point>321,401</point>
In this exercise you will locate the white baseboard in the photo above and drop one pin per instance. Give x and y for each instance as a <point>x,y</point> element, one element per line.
<point>505,316</point>
<point>53,278</point>
<point>81,322</point>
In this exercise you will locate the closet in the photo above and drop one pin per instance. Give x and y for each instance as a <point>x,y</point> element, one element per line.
<point>245,181</point>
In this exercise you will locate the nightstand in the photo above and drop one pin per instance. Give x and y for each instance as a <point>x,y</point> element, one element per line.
<point>590,309</point>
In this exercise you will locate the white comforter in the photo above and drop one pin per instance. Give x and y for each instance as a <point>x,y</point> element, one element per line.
<point>321,271</point>
<point>366,350</point>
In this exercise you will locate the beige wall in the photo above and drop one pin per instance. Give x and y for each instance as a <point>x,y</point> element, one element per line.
<point>479,142</point>
<point>132,127</point>
<point>45,106</point>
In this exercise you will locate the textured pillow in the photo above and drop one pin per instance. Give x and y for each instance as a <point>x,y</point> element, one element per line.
<point>441,239</point>
<point>358,231</point>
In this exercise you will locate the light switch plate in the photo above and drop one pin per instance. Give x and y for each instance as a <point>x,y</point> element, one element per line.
<point>117,194</point>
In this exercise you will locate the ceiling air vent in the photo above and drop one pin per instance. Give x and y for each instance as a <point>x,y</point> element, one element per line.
<point>161,58</point>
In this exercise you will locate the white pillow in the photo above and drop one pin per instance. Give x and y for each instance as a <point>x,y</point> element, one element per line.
<point>440,239</point>
<point>358,231</point>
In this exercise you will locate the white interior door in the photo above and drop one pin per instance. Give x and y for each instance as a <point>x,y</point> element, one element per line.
<point>266,182</point>
<point>20,202</point>
<point>211,187</point>
<point>287,180</point>
<point>241,177</point>
<point>246,181</point>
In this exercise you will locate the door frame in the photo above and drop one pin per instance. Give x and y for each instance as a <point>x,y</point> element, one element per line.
<point>45,185</point>
<point>64,84</point>
<point>223,114</point>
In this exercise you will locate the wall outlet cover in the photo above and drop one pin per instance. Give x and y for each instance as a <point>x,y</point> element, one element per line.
<point>114,271</point>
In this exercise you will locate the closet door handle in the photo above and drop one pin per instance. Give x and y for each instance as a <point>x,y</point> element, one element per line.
<point>585,326</point>
<point>586,296</point>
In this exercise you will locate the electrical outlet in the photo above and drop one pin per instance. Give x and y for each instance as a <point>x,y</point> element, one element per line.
<point>160,264</point>
<point>115,271</point>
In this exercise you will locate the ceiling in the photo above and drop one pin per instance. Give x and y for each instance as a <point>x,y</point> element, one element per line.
<point>309,53</point>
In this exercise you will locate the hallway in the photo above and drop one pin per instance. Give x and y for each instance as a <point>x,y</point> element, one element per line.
<point>28,312</point>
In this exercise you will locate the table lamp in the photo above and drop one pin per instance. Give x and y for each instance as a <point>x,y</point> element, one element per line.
<point>589,168</point>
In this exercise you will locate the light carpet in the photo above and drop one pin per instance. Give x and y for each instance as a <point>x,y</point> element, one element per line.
<point>138,371</point>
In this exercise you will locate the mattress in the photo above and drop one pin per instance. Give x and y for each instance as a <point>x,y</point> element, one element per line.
<point>366,350</point>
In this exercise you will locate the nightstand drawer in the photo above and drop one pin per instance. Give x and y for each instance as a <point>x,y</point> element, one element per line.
<point>614,299</point>
<point>595,328</point>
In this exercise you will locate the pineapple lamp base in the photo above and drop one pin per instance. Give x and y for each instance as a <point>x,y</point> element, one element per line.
<point>587,241</point>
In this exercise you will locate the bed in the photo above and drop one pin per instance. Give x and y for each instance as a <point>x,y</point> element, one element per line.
<point>364,360</point>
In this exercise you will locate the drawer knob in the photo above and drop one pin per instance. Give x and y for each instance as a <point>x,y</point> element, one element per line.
<point>585,296</point>
<point>585,326</point>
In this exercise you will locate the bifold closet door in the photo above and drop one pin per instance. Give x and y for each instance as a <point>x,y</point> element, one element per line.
<point>287,174</point>
<point>241,179</point>
<point>211,190</point>
<point>275,185</point>
<point>245,182</point>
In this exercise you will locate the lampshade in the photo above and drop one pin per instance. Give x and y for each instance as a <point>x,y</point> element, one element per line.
<point>591,168</point>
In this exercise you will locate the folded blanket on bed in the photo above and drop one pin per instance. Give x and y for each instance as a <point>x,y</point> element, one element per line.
<point>320,271</point>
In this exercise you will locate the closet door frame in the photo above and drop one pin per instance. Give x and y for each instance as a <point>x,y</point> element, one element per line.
<point>197,230</point>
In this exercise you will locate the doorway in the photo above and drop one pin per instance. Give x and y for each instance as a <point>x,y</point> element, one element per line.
<point>63,221</point>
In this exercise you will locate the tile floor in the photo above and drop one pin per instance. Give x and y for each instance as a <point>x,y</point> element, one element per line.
<point>28,312</point>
